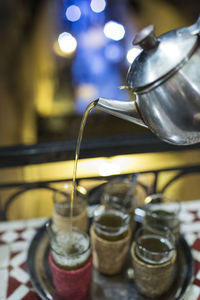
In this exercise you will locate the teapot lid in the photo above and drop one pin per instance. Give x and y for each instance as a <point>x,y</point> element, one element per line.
<point>160,55</point>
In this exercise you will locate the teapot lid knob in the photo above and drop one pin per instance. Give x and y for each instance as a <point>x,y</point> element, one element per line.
<point>146,38</point>
<point>160,55</point>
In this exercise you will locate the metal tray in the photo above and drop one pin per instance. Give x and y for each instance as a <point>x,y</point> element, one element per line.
<point>104,287</point>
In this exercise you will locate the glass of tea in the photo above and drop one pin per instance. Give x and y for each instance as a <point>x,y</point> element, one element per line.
<point>70,262</point>
<point>153,255</point>
<point>110,238</point>
<point>161,209</point>
<point>65,212</point>
<point>155,245</point>
<point>121,192</point>
<point>110,223</point>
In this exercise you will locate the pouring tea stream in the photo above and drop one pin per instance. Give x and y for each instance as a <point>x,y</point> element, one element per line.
<point>165,79</point>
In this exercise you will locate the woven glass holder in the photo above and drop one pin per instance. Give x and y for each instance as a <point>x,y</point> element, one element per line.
<point>153,280</point>
<point>109,256</point>
<point>62,223</point>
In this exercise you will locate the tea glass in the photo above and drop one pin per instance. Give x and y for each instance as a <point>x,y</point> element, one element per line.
<point>70,262</point>
<point>161,209</point>
<point>154,245</point>
<point>65,212</point>
<point>110,238</point>
<point>153,255</point>
<point>110,223</point>
<point>121,192</point>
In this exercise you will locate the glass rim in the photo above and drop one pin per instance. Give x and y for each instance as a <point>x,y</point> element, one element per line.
<point>168,231</point>
<point>156,216</point>
<point>81,196</point>
<point>154,252</point>
<point>67,204</point>
<point>74,229</point>
<point>116,206</point>
<point>126,220</point>
<point>161,195</point>
<point>127,181</point>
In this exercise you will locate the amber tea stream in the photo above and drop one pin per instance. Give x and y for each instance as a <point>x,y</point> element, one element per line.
<point>77,152</point>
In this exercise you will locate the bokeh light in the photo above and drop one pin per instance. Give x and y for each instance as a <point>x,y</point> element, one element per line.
<point>67,42</point>
<point>114,30</point>
<point>98,5</point>
<point>73,13</point>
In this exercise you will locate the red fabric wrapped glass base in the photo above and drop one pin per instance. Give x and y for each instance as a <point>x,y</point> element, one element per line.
<point>74,284</point>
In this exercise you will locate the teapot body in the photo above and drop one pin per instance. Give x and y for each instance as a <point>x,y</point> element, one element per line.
<point>171,107</point>
<point>165,78</point>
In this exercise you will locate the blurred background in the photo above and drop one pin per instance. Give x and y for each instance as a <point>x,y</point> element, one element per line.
<point>58,56</point>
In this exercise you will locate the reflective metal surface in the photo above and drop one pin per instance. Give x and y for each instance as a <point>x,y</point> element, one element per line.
<point>166,83</point>
<point>172,109</point>
<point>154,63</point>
<point>126,110</point>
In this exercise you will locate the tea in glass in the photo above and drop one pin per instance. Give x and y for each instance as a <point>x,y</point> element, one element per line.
<point>70,262</point>
<point>162,210</point>
<point>64,214</point>
<point>111,224</point>
<point>121,193</point>
<point>153,255</point>
<point>110,238</point>
<point>70,250</point>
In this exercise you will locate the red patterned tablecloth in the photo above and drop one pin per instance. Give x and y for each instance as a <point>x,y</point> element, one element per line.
<point>16,236</point>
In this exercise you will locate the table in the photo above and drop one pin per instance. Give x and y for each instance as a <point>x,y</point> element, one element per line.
<point>15,237</point>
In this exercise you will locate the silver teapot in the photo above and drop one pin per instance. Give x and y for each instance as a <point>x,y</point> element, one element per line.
<point>165,79</point>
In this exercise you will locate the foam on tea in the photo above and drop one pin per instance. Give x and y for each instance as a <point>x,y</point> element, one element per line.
<point>71,250</point>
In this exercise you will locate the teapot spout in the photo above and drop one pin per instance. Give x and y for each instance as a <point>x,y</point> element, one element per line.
<point>123,109</point>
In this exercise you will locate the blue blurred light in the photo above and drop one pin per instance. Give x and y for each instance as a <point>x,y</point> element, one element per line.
<point>98,65</point>
<point>114,52</point>
<point>73,13</point>
<point>98,5</point>
<point>114,30</point>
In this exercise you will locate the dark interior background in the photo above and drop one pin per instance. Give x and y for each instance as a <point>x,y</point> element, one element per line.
<point>45,91</point>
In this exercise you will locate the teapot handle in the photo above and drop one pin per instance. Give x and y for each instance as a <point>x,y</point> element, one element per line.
<point>193,29</point>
